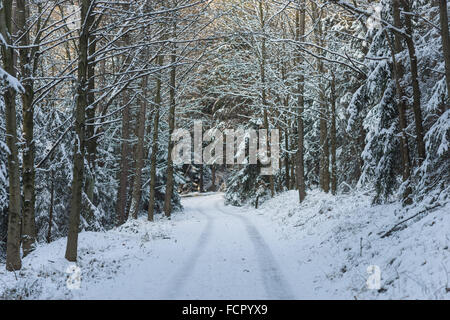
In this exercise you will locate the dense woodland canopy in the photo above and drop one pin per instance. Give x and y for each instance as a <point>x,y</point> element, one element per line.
<point>91,91</point>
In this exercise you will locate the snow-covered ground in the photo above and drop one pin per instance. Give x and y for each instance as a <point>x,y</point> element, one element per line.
<point>283,250</point>
<point>336,238</point>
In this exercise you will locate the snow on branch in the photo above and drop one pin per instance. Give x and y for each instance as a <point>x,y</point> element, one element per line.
<point>11,81</point>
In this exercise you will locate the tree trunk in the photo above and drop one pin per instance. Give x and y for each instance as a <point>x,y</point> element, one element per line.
<point>200,182</point>
<point>50,211</point>
<point>287,178</point>
<point>153,158</point>
<point>125,148</point>
<point>445,44</point>
<point>415,83</point>
<point>213,178</point>
<point>170,169</point>
<point>401,105</point>
<point>28,172</point>
<point>286,160</point>
<point>266,126</point>
<point>80,131</point>
<point>131,165</point>
<point>91,144</point>
<point>300,32</point>
<point>139,152</point>
<point>324,173</point>
<point>293,174</point>
<point>360,145</point>
<point>13,261</point>
<point>124,162</point>
<point>333,138</point>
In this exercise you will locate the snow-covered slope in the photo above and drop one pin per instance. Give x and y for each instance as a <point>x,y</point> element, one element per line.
<point>101,257</point>
<point>343,235</point>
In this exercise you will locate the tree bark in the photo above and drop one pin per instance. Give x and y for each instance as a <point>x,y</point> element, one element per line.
<point>333,137</point>
<point>300,32</point>
<point>401,104</point>
<point>28,172</point>
<point>200,182</point>
<point>170,169</point>
<point>213,178</point>
<point>80,131</point>
<point>445,44</point>
<point>293,174</point>
<point>263,89</point>
<point>360,145</point>
<point>91,144</point>
<point>124,162</point>
<point>286,161</point>
<point>415,83</point>
<point>13,261</point>
<point>324,173</point>
<point>50,211</point>
<point>126,150</point>
<point>139,153</point>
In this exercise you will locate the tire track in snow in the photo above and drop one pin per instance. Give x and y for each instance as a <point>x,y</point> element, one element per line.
<point>182,276</point>
<point>274,282</point>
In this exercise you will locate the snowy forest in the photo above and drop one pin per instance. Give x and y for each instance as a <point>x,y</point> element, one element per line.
<point>91,92</point>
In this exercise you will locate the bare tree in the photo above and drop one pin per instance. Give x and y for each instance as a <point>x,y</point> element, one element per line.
<point>401,104</point>
<point>153,158</point>
<point>324,173</point>
<point>87,17</point>
<point>262,68</point>
<point>333,136</point>
<point>13,261</point>
<point>139,152</point>
<point>414,79</point>
<point>172,102</point>
<point>299,34</point>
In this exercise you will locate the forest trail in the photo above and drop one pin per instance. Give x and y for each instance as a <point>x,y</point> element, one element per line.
<point>282,250</point>
<point>217,252</point>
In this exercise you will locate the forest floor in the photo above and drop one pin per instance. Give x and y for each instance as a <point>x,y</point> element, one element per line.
<point>320,249</point>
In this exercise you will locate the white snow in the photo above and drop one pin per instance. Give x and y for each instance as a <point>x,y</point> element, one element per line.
<point>320,249</point>
<point>336,238</point>
<point>11,81</point>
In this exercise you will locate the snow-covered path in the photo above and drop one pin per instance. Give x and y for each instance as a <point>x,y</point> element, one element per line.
<point>214,252</point>
<point>320,249</point>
